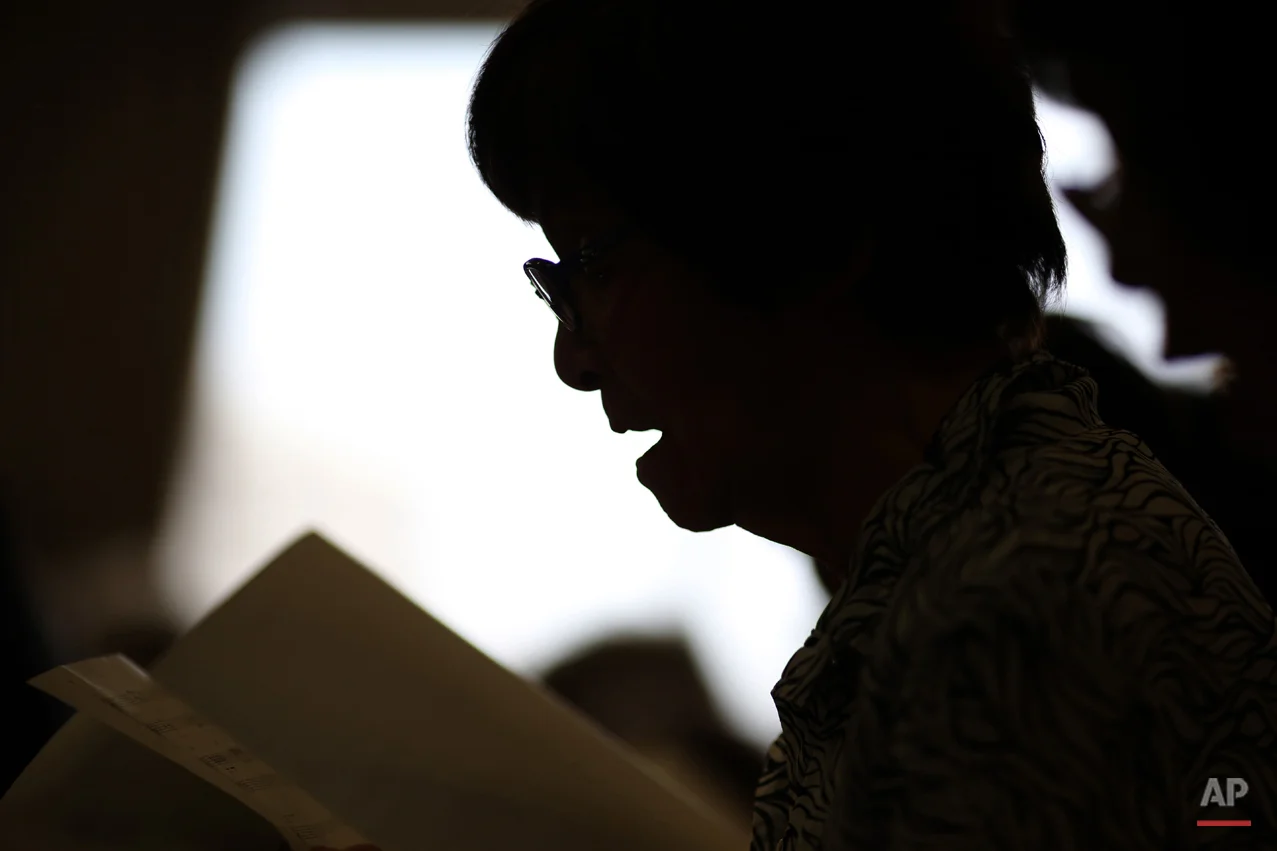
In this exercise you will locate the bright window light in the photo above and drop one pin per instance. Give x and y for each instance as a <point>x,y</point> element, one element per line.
<point>373,364</point>
<point>1081,154</point>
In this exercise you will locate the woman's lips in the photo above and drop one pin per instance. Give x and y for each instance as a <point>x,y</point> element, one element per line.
<point>621,428</point>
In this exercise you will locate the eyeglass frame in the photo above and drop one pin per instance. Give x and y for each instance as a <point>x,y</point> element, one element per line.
<point>554,286</point>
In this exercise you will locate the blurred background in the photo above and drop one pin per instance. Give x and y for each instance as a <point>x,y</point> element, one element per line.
<point>251,286</point>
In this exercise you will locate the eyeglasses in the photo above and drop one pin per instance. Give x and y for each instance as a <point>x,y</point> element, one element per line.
<point>553,281</point>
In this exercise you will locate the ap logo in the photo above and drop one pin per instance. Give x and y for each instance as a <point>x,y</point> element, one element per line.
<point>1224,796</point>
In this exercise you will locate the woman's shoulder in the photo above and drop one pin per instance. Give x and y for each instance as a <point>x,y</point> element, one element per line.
<point>1095,509</point>
<point>1115,550</point>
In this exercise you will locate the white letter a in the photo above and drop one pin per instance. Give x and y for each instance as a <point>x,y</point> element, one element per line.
<point>1213,794</point>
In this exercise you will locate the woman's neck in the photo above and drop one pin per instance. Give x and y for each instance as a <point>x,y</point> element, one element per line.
<point>875,434</point>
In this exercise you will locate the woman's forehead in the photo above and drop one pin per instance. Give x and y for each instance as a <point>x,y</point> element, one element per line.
<point>572,212</point>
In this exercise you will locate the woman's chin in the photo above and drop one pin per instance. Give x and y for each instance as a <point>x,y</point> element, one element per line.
<point>690,498</point>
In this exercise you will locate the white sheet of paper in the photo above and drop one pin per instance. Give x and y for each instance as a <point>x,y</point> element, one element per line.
<point>121,695</point>
<point>396,725</point>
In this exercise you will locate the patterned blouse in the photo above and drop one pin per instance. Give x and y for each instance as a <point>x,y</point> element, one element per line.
<point>1042,643</point>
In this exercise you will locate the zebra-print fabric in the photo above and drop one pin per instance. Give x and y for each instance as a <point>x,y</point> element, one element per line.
<point>1042,643</point>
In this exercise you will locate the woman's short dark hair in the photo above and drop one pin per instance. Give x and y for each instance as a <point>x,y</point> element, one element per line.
<point>759,145</point>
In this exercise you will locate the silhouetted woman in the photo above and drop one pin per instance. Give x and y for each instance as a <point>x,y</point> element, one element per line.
<point>812,251</point>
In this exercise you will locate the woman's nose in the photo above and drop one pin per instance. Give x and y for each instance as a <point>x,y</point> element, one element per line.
<point>576,361</point>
